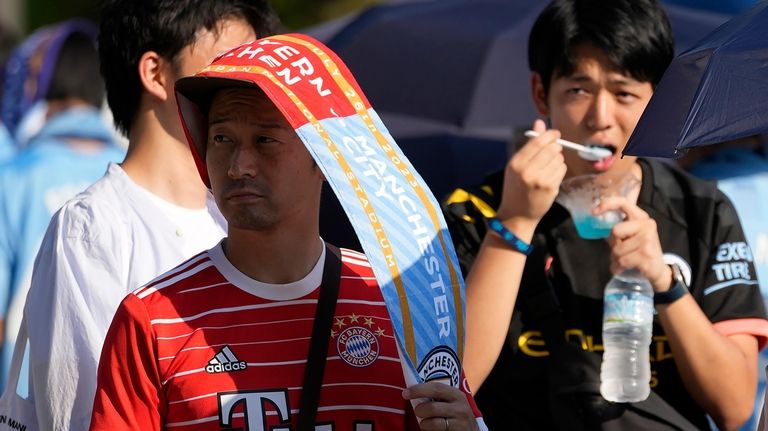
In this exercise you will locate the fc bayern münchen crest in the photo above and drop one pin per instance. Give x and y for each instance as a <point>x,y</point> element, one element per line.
<point>357,346</point>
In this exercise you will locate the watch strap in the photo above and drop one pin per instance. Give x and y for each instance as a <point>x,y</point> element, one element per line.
<point>676,292</point>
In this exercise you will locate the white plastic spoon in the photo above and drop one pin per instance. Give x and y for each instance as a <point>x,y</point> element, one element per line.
<point>587,153</point>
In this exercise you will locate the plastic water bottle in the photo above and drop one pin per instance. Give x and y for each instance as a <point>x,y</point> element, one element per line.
<point>627,326</point>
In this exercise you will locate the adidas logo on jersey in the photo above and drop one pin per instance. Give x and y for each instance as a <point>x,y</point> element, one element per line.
<point>225,361</point>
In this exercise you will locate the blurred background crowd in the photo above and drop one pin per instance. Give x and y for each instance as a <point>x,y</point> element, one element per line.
<point>56,135</point>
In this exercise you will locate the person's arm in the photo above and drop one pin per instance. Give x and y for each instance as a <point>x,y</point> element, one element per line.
<point>76,286</point>
<point>129,394</point>
<point>718,370</point>
<point>531,183</point>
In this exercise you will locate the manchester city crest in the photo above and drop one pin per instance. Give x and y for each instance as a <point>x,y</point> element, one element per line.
<point>440,364</point>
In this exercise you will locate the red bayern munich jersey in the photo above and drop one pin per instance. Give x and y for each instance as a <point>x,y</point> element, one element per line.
<point>204,347</point>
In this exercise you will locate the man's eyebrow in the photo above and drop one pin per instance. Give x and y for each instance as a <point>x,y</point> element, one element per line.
<point>619,80</point>
<point>579,78</point>
<point>262,124</point>
<point>270,125</point>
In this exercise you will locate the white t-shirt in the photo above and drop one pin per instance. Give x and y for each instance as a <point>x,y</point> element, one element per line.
<point>192,225</point>
<point>103,244</point>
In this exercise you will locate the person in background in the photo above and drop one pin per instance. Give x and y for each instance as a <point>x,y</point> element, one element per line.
<point>8,41</point>
<point>221,341</point>
<point>26,78</point>
<point>70,152</point>
<point>537,351</point>
<point>143,217</point>
<point>740,168</point>
<point>7,145</point>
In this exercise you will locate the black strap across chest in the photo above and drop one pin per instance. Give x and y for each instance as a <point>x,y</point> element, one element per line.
<point>318,344</point>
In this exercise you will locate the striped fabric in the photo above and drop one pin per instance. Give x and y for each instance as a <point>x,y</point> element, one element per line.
<point>223,356</point>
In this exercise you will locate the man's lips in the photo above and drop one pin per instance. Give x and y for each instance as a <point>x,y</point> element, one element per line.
<point>243,194</point>
<point>243,189</point>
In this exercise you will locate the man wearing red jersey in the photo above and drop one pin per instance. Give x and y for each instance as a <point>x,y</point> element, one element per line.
<point>221,341</point>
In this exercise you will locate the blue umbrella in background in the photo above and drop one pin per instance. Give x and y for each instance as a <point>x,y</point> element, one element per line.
<point>450,80</point>
<point>459,66</point>
<point>722,6</point>
<point>716,91</point>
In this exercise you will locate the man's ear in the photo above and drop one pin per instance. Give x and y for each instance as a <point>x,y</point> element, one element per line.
<point>154,75</point>
<point>539,95</point>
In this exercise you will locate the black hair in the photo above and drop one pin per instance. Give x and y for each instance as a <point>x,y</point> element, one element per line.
<point>634,34</point>
<point>76,74</point>
<point>129,28</point>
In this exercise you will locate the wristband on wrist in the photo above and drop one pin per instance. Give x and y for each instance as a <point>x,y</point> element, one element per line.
<point>516,243</point>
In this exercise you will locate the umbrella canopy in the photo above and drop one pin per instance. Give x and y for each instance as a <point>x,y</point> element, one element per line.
<point>723,6</point>
<point>450,80</point>
<point>714,92</point>
<point>458,66</point>
<point>444,66</point>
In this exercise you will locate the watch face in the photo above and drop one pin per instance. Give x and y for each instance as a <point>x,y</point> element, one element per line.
<point>681,269</point>
<point>677,274</point>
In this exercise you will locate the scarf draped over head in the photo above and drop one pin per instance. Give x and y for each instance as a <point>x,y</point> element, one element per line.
<point>393,212</point>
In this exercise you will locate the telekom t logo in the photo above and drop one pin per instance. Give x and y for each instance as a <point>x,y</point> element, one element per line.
<point>254,403</point>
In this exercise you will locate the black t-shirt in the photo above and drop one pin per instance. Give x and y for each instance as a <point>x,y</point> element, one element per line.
<point>698,227</point>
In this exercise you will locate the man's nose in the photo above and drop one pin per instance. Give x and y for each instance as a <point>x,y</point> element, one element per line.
<point>243,162</point>
<point>600,114</point>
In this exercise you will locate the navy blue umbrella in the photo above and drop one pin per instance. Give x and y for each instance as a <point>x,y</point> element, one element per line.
<point>722,6</point>
<point>448,66</point>
<point>450,80</point>
<point>458,66</point>
<point>714,92</point>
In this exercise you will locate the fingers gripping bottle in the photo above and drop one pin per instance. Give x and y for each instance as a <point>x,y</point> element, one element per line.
<point>627,326</point>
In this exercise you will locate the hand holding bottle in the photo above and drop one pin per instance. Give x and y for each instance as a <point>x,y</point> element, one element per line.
<point>636,258</point>
<point>635,243</point>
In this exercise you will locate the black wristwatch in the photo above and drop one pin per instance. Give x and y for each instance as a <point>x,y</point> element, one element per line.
<point>676,291</point>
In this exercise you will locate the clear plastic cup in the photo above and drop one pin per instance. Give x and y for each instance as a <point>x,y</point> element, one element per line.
<point>581,194</point>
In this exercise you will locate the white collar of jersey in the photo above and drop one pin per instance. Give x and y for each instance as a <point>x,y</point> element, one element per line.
<point>273,292</point>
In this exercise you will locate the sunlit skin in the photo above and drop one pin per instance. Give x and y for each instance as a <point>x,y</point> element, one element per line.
<point>229,34</point>
<point>262,176</point>
<point>596,104</point>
